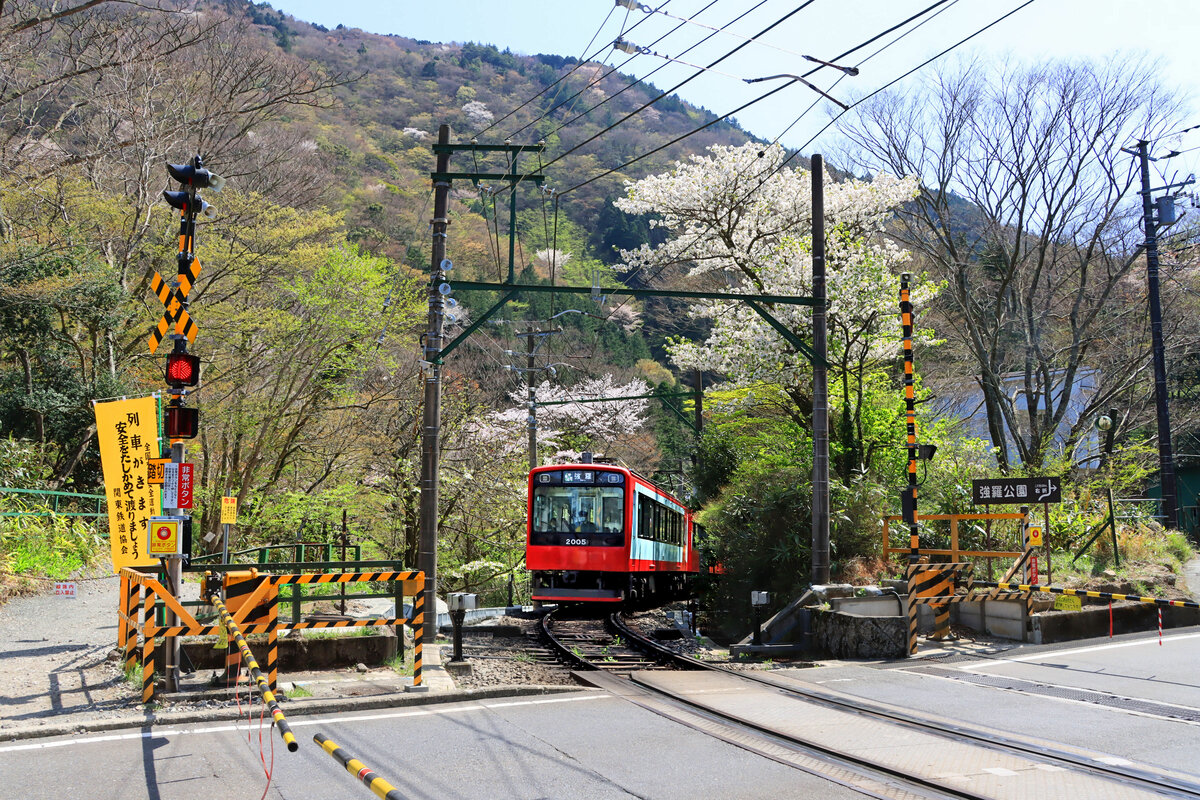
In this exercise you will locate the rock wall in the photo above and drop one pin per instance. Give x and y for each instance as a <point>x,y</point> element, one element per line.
<point>839,635</point>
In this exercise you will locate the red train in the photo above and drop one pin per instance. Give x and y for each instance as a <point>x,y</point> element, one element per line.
<point>600,533</point>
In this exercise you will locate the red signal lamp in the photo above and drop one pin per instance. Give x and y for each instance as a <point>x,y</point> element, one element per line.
<point>183,369</point>
<point>181,423</point>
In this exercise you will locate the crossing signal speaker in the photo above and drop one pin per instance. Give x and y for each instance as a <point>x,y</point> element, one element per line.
<point>200,177</point>
<point>181,423</point>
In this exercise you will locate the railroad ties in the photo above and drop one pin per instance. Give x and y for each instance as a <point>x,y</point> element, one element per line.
<point>590,643</point>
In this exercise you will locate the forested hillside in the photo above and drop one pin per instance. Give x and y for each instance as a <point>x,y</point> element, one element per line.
<point>311,298</point>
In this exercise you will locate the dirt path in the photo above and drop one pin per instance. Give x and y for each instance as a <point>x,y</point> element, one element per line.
<point>53,656</point>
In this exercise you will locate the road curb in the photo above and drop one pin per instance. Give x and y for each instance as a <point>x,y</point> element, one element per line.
<point>292,708</point>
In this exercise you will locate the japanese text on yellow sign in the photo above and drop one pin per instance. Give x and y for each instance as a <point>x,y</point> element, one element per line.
<point>127,432</point>
<point>163,537</point>
<point>229,511</point>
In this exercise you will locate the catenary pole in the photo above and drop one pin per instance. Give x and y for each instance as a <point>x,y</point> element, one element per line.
<point>530,407</point>
<point>1166,460</point>
<point>820,480</point>
<point>431,422</point>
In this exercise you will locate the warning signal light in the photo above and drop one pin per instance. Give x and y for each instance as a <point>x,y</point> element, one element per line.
<point>180,422</point>
<point>183,369</point>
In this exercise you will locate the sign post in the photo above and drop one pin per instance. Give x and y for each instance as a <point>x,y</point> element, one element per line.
<point>228,517</point>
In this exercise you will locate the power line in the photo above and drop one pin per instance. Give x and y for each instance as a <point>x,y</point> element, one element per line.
<point>877,52</point>
<point>673,89</point>
<point>763,97</point>
<point>764,177</point>
<point>608,73</point>
<point>568,74</point>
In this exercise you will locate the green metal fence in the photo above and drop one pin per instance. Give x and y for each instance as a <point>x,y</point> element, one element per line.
<point>46,503</point>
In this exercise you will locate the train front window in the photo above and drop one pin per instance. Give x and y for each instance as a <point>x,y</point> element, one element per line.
<point>578,509</point>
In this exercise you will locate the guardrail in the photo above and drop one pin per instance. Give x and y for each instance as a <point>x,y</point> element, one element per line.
<point>296,595</point>
<point>955,552</point>
<point>54,498</point>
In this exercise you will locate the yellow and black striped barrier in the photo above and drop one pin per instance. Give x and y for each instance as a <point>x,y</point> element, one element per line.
<point>1033,587</point>
<point>253,605</point>
<point>248,658</point>
<point>376,784</point>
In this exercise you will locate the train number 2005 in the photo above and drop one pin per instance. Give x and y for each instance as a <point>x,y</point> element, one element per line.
<point>576,541</point>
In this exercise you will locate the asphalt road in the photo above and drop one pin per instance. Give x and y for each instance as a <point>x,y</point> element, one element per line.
<point>581,746</point>
<point>592,745</point>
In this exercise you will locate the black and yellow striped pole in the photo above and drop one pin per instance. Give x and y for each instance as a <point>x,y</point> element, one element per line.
<point>148,625</point>
<point>418,623</point>
<point>1034,587</point>
<point>252,666</point>
<point>909,499</point>
<point>376,784</point>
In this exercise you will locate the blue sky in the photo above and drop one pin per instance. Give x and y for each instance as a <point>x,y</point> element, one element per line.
<point>1165,31</point>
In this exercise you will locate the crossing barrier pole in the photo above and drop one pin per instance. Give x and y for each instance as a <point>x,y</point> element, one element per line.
<point>273,642</point>
<point>1110,596</point>
<point>418,623</point>
<point>285,731</point>
<point>123,614</point>
<point>378,786</point>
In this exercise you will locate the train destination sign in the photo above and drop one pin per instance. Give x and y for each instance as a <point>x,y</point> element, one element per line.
<point>1016,491</point>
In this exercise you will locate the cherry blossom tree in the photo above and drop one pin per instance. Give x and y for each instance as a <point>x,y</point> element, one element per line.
<point>740,217</point>
<point>570,427</point>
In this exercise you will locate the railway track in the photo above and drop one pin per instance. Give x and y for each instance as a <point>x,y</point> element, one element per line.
<point>591,642</point>
<point>872,760</point>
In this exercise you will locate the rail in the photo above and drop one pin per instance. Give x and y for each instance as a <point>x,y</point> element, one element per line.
<point>955,552</point>
<point>55,497</point>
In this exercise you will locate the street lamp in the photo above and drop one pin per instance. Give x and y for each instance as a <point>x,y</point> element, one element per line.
<point>1107,423</point>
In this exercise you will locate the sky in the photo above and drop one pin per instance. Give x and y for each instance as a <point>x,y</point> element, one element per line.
<point>1165,32</point>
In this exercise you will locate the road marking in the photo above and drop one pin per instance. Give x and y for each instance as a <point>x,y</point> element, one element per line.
<point>1114,761</point>
<point>166,733</point>
<point>1001,771</point>
<point>975,666</point>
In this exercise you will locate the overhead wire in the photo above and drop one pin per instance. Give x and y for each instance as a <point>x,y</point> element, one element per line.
<point>562,78</point>
<point>685,81</point>
<point>566,75</point>
<point>616,68</point>
<point>762,178</point>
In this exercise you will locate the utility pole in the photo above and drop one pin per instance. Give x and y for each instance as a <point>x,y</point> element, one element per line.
<point>432,368</point>
<point>532,337</point>
<point>531,406</point>
<point>1166,461</point>
<point>820,480</point>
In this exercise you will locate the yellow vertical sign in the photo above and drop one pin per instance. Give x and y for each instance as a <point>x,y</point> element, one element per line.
<point>127,432</point>
<point>229,511</point>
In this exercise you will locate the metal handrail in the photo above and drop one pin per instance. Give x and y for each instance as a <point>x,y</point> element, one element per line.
<point>51,493</point>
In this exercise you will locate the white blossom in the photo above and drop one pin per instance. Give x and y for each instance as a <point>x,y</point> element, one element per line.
<point>738,212</point>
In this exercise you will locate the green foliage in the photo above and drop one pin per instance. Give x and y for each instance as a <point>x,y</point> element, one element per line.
<point>47,546</point>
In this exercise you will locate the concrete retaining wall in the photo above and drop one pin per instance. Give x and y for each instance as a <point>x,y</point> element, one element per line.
<point>303,653</point>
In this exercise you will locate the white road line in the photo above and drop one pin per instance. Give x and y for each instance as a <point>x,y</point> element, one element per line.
<point>166,733</point>
<point>976,666</point>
